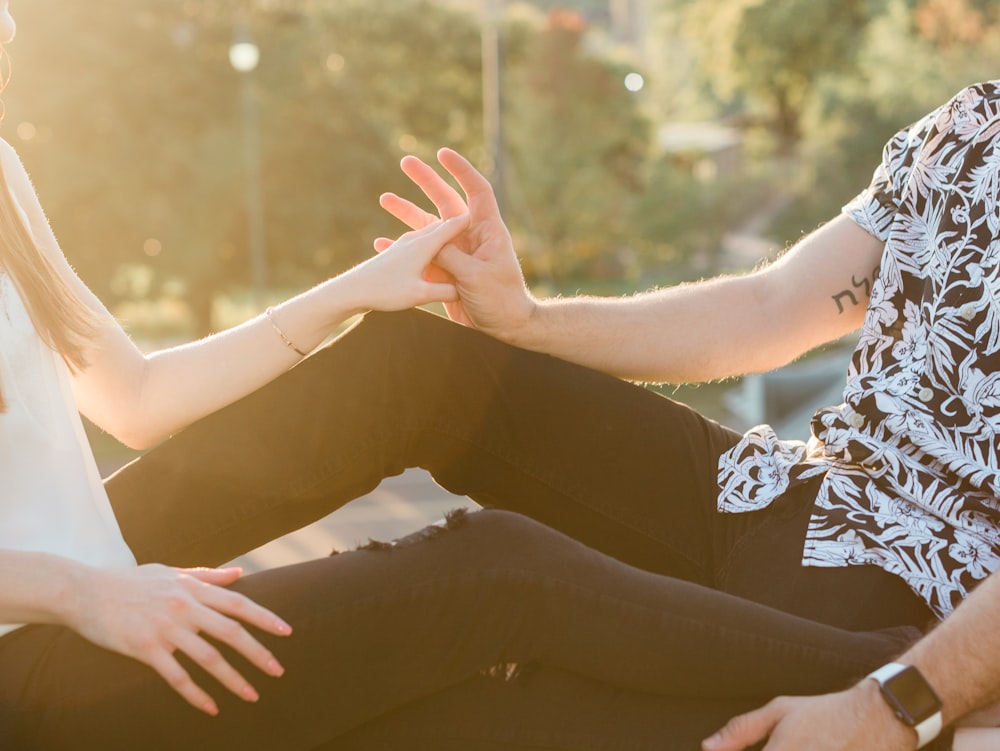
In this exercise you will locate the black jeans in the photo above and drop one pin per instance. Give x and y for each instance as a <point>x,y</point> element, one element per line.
<point>635,617</point>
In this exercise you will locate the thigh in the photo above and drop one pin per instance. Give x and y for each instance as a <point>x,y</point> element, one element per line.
<point>544,708</point>
<point>617,466</point>
<point>763,563</point>
<point>378,629</point>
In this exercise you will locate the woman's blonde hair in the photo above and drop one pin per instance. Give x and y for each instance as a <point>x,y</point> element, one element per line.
<point>63,321</point>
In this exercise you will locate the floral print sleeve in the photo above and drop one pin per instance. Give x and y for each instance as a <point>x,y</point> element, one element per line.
<point>876,206</point>
<point>909,460</point>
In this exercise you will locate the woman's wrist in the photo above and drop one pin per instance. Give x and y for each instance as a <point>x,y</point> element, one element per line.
<point>42,587</point>
<point>304,321</point>
<point>72,587</point>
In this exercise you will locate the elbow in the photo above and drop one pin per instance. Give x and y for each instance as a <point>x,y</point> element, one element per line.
<point>137,440</point>
<point>134,428</point>
<point>133,434</point>
<point>130,420</point>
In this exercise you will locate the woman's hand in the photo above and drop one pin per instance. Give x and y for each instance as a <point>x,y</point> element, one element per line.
<point>400,277</point>
<point>151,612</point>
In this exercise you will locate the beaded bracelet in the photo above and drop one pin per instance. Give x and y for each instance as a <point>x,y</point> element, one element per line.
<point>269,312</point>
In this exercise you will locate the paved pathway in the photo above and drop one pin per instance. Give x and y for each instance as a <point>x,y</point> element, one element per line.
<point>398,506</point>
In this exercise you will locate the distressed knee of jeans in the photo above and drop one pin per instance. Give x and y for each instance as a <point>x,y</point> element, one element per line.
<point>376,545</point>
<point>508,672</point>
<point>456,518</point>
<point>452,520</point>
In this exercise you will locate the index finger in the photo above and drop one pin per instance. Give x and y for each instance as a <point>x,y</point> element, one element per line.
<point>478,191</point>
<point>406,211</point>
<point>444,197</point>
<point>240,606</point>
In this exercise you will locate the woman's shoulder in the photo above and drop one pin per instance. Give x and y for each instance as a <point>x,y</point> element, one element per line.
<point>7,151</point>
<point>12,165</point>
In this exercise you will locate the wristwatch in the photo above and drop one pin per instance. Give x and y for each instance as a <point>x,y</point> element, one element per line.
<point>911,698</point>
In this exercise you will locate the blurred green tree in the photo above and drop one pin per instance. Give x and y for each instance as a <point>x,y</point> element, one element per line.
<point>577,143</point>
<point>771,55</point>
<point>132,132</point>
<point>137,150</point>
<point>912,56</point>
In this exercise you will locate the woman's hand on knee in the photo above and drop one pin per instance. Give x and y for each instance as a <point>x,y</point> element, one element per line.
<point>152,612</point>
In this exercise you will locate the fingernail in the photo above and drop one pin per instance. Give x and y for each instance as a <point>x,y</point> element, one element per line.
<point>712,742</point>
<point>274,668</point>
<point>249,693</point>
<point>282,628</point>
<point>210,708</point>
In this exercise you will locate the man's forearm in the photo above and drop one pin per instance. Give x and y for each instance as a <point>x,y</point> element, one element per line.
<point>688,333</point>
<point>961,657</point>
<point>718,328</point>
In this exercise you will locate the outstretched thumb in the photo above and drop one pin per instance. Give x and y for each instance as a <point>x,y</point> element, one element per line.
<point>744,730</point>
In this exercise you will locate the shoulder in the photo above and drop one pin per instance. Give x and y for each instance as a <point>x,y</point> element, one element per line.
<point>8,155</point>
<point>14,171</point>
<point>969,112</point>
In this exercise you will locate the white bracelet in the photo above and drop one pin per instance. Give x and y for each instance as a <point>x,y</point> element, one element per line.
<point>269,312</point>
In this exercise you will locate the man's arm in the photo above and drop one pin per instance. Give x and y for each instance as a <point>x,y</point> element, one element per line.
<point>815,293</point>
<point>717,328</point>
<point>960,659</point>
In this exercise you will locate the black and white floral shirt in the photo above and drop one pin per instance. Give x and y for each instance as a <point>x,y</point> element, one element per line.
<point>911,460</point>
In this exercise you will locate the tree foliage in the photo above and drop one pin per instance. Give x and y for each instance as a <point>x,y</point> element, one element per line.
<point>128,116</point>
<point>577,144</point>
<point>772,54</point>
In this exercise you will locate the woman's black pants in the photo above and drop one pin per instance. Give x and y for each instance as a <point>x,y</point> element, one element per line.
<point>615,610</point>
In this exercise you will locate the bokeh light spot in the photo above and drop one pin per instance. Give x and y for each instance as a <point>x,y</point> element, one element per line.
<point>335,63</point>
<point>634,82</point>
<point>408,143</point>
<point>26,131</point>
<point>152,247</point>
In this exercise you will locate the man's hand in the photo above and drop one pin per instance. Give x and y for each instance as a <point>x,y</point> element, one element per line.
<point>151,612</point>
<point>854,720</point>
<point>481,261</point>
<point>397,278</point>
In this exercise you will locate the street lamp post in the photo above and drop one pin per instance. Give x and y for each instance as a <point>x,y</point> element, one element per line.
<point>244,56</point>
<point>492,62</point>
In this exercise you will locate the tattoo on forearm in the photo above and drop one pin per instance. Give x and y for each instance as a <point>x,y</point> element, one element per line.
<point>865,284</point>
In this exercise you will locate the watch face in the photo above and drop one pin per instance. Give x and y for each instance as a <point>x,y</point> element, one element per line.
<point>912,696</point>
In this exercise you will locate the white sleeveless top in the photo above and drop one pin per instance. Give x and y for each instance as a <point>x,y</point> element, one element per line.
<point>51,496</point>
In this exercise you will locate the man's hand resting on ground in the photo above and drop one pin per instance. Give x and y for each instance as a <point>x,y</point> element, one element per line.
<point>854,720</point>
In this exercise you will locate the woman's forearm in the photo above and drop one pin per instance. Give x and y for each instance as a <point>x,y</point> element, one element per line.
<point>143,399</point>
<point>38,587</point>
<point>184,383</point>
